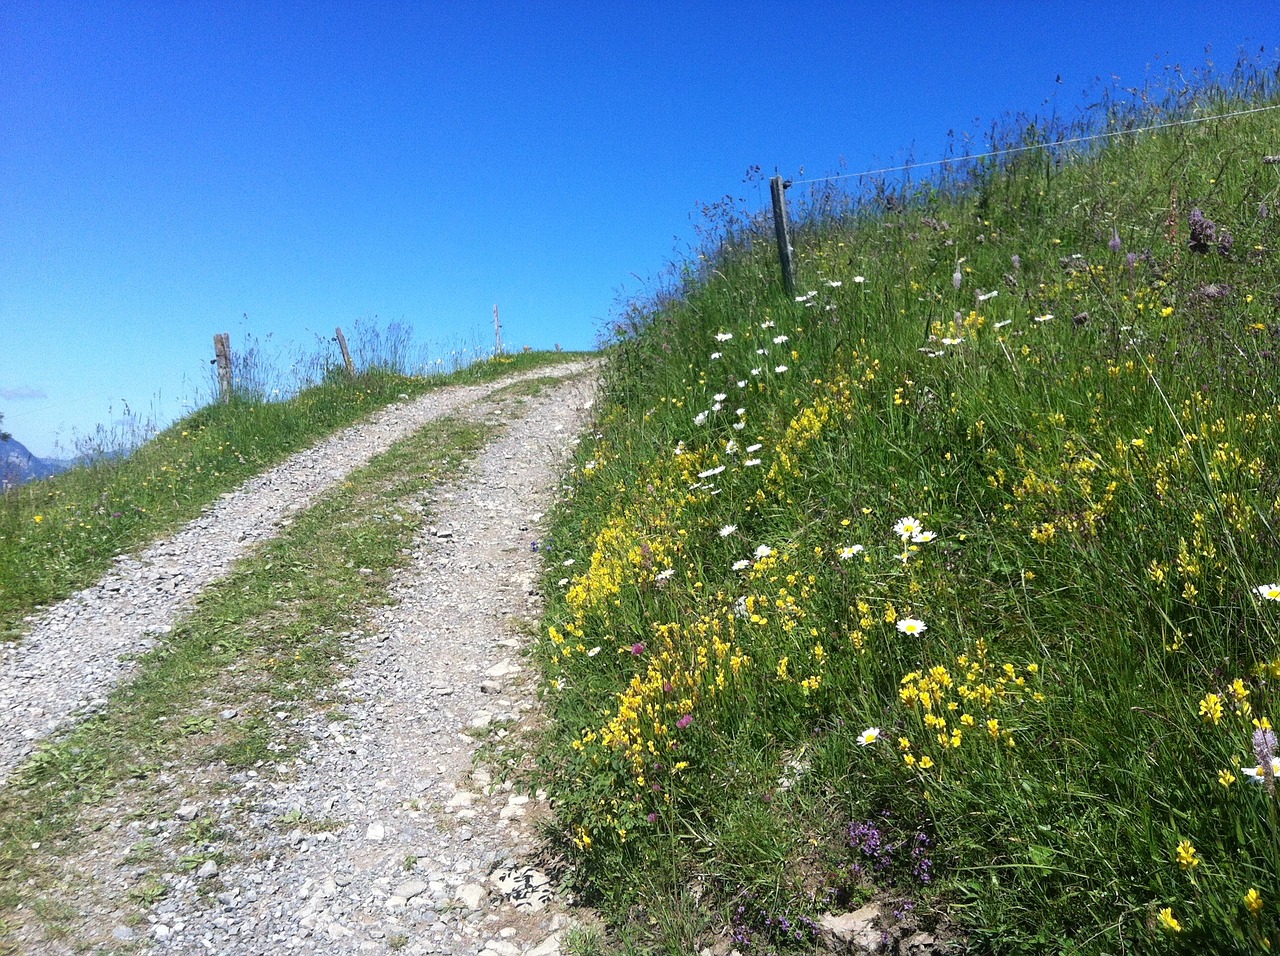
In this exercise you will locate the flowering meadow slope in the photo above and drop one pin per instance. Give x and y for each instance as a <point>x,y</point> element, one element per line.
<point>949,581</point>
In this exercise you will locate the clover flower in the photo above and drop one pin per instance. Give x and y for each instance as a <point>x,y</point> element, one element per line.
<point>1204,232</point>
<point>1264,744</point>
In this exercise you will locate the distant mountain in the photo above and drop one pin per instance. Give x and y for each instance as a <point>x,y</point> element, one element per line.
<point>18,465</point>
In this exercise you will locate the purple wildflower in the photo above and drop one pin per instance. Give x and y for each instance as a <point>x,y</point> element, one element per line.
<point>684,721</point>
<point>1204,232</point>
<point>1114,244</point>
<point>1264,748</point>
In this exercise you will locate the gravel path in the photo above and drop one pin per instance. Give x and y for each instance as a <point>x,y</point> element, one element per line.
<point>384,834</point>
<point>110,624</point>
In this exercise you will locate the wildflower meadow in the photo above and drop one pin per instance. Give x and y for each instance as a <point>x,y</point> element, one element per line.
<point>952,580</point>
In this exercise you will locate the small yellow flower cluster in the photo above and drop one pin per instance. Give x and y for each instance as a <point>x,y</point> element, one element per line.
<point>977,697</point>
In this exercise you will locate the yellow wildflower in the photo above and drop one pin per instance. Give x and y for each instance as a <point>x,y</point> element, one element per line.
<point>1187,855</point>
<point>1169,921</point>
<point>1211,708</point>
<point>1253,901</point>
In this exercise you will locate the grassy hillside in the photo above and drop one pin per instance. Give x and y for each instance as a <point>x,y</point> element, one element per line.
<point>949,581</point>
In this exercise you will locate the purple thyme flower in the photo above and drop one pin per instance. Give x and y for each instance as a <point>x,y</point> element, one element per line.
<point>1204,232</point>
<point>1264,745</point>
<point>1264,748</point>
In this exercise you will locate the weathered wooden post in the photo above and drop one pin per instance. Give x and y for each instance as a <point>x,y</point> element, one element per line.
<point>222,357</point>
<point>778,188</point>
<point>346,353</point>
<point>497,333</point>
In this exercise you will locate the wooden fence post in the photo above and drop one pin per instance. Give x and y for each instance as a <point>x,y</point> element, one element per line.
<point>346,353</point>
<point>778,188</point>
<point>222,357</point>
<point>497,333</point>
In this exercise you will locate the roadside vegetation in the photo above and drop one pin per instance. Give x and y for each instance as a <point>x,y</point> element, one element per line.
<point>948,581</point>
<point>60,534</point>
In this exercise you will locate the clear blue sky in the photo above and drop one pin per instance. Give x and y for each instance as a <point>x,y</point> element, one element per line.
<point>167,167</point>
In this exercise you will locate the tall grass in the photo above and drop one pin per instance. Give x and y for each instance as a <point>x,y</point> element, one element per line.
<point>262,370</point>
<point>950,581</point>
